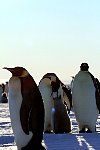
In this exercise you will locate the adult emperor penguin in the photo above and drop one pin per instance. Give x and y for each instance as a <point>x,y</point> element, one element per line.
<point>56,117</point>
<point>84,100</point>
<point>26,110</point>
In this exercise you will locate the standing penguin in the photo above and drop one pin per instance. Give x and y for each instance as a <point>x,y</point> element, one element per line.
<point>46,91</point>
<point>26,110</point>
<point>1,91</point>
<point>56,117</point>
<point>84,100</point>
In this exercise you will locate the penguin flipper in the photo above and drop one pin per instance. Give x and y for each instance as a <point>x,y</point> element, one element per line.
<point>24,114</point>
<point>68,96</point>
<point>97,91</point>
<point>31,119</point>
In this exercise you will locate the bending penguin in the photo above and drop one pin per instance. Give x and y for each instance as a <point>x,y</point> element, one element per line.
<point>26,110</point>
<point>56,117</point>
<point>84,100</point>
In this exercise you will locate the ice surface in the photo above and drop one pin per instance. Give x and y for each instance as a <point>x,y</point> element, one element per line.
<point>69,141</point>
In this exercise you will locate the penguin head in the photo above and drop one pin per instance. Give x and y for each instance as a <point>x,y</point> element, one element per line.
<point>52,80</point>
<point>84,67</point>
<point>46,79</point>
<point>54,83</point>
<point>50,76</point>
<point>18,71</point>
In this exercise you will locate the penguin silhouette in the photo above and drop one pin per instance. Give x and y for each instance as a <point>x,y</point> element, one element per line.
<point>56,117</point>
<point>26,110</point>
<point>84,100</point>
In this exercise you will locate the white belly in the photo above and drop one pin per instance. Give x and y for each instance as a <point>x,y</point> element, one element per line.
<point>15,100</point>
<point>47,98</point>
<point>84,102</point>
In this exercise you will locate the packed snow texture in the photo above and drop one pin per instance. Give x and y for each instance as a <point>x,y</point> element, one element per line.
<point>68,141</point>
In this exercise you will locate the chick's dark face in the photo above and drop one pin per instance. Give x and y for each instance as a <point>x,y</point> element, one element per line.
<point>55,86</point>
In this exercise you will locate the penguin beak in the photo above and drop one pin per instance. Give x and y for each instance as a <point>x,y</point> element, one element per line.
<point>9,69</point>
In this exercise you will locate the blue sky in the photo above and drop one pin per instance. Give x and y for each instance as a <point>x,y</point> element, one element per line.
<point>49,36</point>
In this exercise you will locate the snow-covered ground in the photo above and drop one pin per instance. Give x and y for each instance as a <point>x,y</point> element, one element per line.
<point>70,141</point>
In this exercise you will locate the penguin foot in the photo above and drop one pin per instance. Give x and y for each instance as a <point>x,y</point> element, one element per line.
<point>68,131</point>
<point>48,132</point>
<point>82,131</point>
<point>36,142</point>
<point>62,132</point>
<point>88,131</point>
<point>85,131</point>
<point>37,147</point>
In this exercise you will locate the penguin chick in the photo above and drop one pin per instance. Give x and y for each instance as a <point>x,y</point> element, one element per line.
<point>52,93</point>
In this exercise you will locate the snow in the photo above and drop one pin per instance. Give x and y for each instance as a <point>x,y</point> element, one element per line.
<point>68,141</point>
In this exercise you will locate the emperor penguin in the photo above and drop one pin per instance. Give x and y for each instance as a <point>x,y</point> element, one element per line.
<point>26,110</point>
<point>56,117</point>
<point>84,100</point>
<point>1,91</point>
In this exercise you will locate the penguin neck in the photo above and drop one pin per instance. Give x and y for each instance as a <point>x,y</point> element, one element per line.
<point>27,82</point>
<point>84,71</point>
